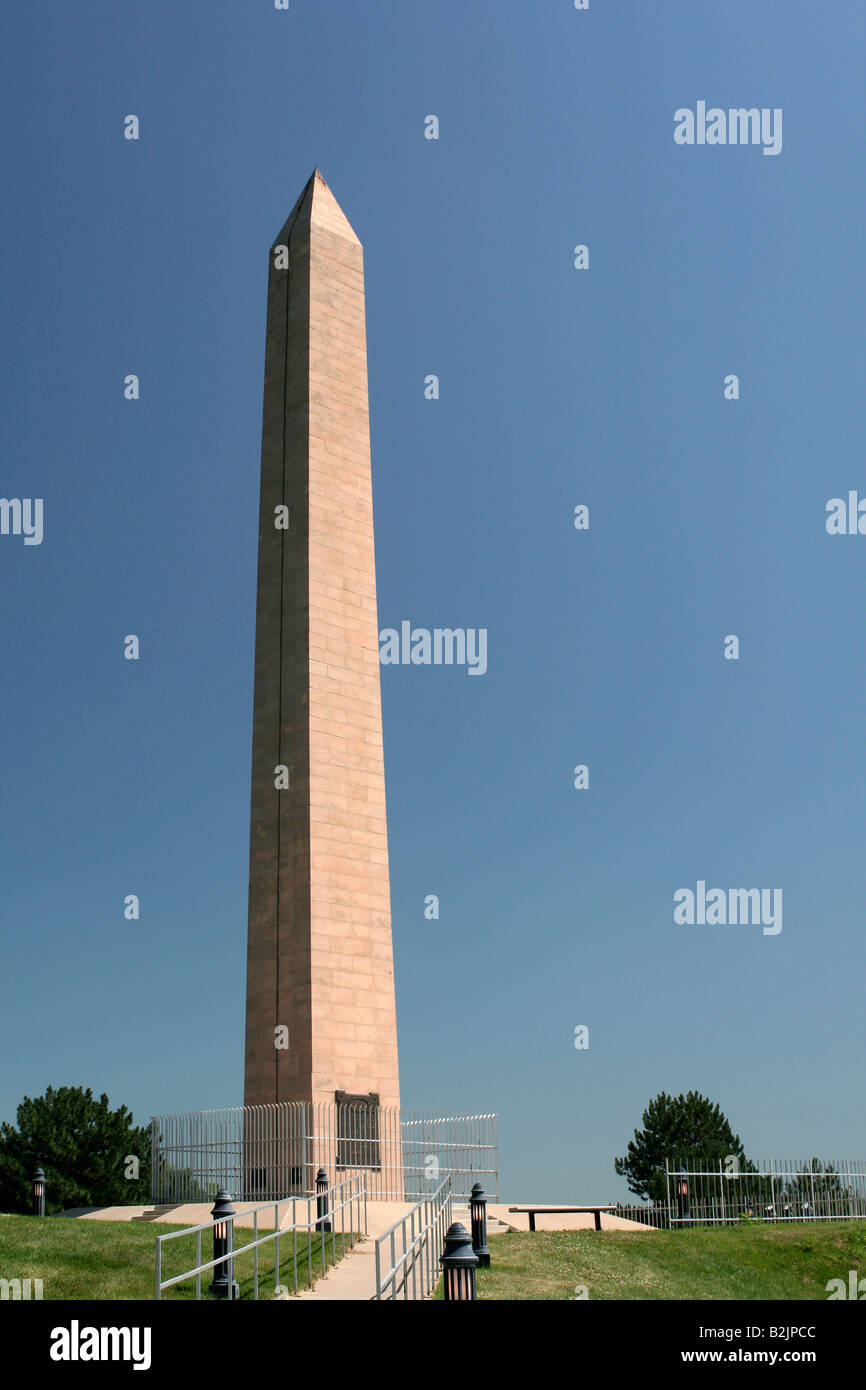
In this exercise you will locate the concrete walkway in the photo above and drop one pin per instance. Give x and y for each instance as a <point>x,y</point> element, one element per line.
<point>353,1278</point>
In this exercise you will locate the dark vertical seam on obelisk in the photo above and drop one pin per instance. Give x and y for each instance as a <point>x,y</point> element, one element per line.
<point>291,228</point>
<point>280,687</point>
<point>280,676</point>
<point>285,392</point>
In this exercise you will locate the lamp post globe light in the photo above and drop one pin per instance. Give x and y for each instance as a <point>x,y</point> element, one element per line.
<point>478,1213</point>
<point>459,1263</point>
<point>39,1193</point>
<point>224,1284</point>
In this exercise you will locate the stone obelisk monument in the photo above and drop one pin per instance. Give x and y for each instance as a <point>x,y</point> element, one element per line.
<point>321,1021</point>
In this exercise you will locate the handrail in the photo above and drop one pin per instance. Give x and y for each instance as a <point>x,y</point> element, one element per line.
<point>337,1202</point>
<point>431,1214</point>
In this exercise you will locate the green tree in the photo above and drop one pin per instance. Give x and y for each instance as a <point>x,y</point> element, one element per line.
<point>687,1131</point>
<point>84,1147</point>
<point>820,1187</point>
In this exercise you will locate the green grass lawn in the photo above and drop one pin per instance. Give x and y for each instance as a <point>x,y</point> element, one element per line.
<point>81,1259</point>
<point>78,1258</point>
<point>752,1261</point>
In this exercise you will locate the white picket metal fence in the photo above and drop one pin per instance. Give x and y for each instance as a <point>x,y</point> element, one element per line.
<point>766,1190</point>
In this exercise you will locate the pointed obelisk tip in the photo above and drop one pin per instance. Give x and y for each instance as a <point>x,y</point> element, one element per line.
<point>325,210</point>
<point>317,180</point>
<point>317,205</point>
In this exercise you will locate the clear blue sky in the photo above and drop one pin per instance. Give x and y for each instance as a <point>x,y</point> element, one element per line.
<point>558,387</point>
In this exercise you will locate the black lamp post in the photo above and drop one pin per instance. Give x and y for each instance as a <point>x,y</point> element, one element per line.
<point>478,1212</point>
<point>459,1263</point>
<point>224,1284</point>
<point>684,1208</point>
<point>39,1193</point>
<point>322,1223</point>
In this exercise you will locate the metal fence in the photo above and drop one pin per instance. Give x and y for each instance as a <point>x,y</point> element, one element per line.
<point>407,1254</point>
<point>766,1190</point>
<point>646,1213</point>
<point>337,1215</point>
<point>268,1152</point>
